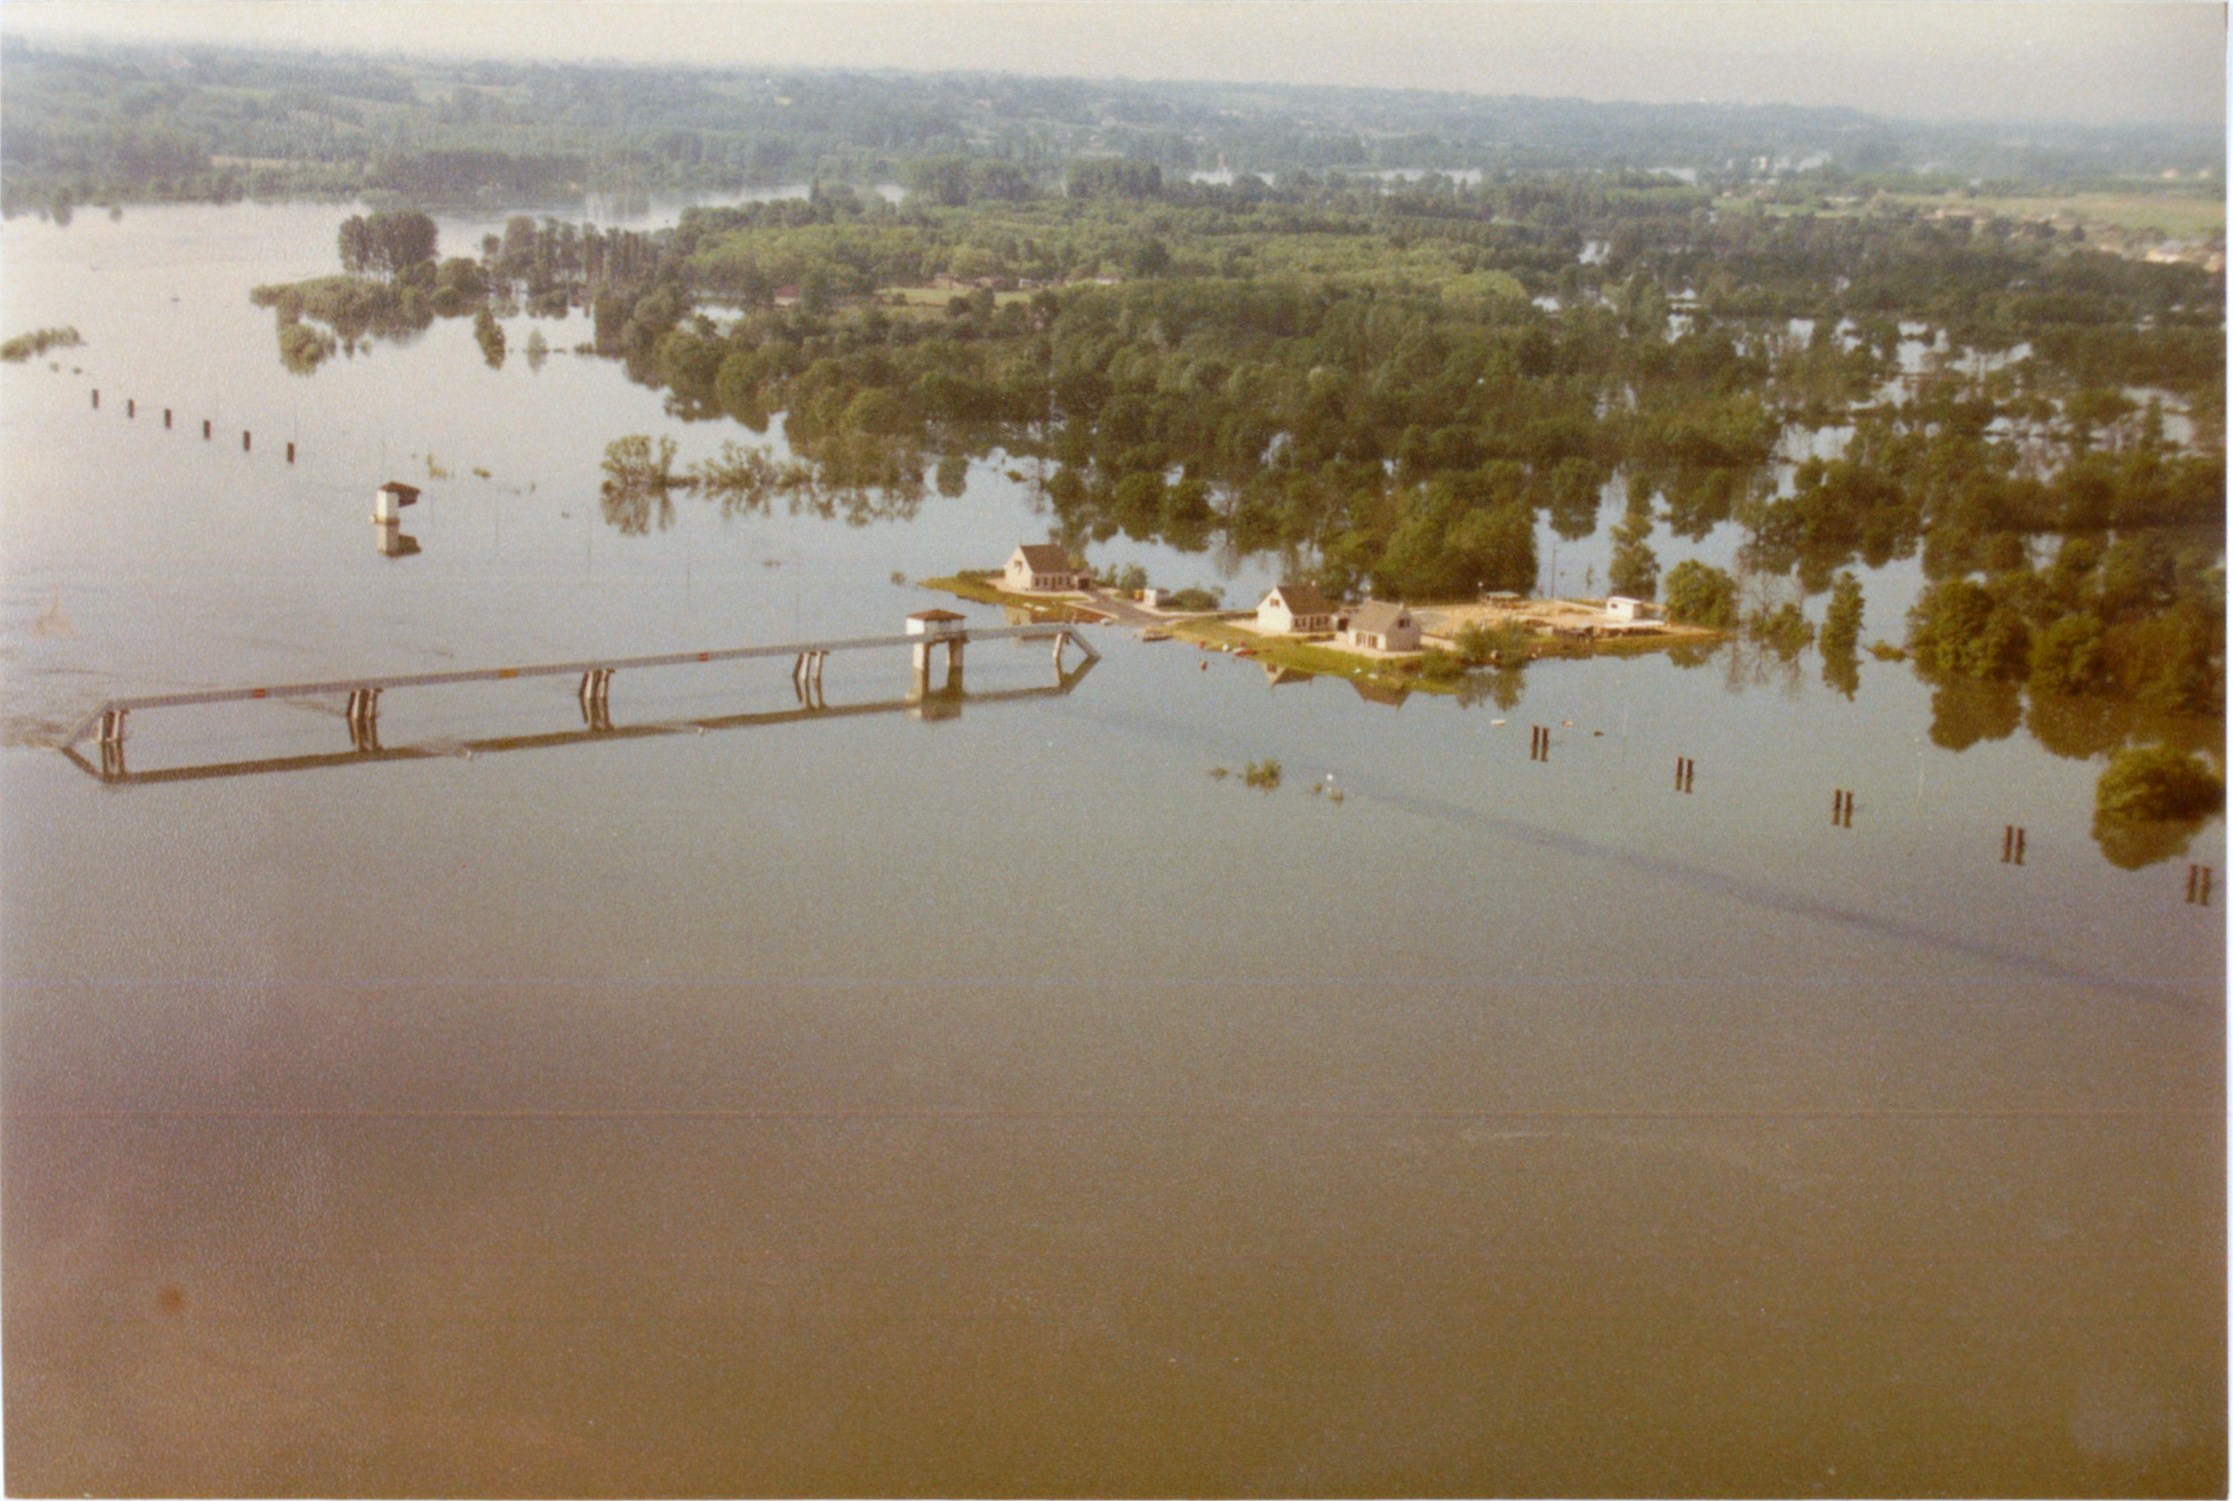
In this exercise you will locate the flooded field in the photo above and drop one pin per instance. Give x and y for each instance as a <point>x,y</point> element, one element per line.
<point>980,1097</point>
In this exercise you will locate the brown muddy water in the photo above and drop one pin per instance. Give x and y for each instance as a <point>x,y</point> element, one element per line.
<point>995,1102</point>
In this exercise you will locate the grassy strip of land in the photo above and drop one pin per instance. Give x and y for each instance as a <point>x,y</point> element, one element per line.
<point>1309,656</point>
<point>2181,216</point>
<point>983,591</point>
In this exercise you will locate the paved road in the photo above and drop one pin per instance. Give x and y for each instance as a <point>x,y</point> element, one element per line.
<point>1124,612</point>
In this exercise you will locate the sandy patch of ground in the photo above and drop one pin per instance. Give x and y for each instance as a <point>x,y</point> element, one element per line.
<point>1328,643</point>
<point>1544,616</point>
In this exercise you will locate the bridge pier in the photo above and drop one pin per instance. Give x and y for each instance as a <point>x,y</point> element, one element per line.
<point>806,676</point>
<point>923,650</point>
<point>364,719</point>
<point>596,698</point>
<point>942,702</point>
<point>112,742</point>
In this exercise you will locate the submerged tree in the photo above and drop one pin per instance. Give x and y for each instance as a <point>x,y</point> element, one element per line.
<point>1841,623</point>
<point>1701,594</point>
<point>489,334</point>
<point>638,476</point>
<point>1635,567</point>
<point>2158,782</point>
<point>2151,802</point>
<point>1841,637</point>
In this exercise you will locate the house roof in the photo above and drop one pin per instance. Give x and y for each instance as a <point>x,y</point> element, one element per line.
<point>934,615</point>
<point>1045,557</point>
<point>397,487</point>
<point>1300,599</point>
<point>1377,616</point>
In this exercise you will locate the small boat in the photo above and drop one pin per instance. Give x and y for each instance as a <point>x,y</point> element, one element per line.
<point>1155,635</point>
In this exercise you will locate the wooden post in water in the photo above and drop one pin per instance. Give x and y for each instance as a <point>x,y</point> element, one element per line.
<point>205,429</point>
<point>290,453</point>
<point>131,407</point>
<point>2007,842</point>
<point>166,419</point>
<point>244,441</point>
<point>96,398</point>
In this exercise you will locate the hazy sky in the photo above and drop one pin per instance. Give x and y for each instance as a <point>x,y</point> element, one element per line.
<point>2141,60</point>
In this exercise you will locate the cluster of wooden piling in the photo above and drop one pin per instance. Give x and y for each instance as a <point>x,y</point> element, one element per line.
<point>1539,746</point>
<point>1843,801</point>
<point>247,438</point>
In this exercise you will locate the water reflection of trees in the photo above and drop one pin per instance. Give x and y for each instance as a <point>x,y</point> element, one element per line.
<point>634,512</point>
<point>641,478</point>
<point>2152,801</point>
<point>1965,711</point>
<point>2132,846</point>
<point>1500,686</point>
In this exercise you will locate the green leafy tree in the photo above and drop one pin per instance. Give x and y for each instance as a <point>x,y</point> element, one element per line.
<point>356,245</point>
<point>1841,623</point>
<point>1635,567</point>
<point>1701,594</point>
<point>1958,629</point>
<point>489,334</point>
<point>2067,657</point>
<point>2157,783</point>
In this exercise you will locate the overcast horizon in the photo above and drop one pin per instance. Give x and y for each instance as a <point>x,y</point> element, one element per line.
<point>2155,62</point>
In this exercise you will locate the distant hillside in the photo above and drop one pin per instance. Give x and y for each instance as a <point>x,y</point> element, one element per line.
<point>133,124</point>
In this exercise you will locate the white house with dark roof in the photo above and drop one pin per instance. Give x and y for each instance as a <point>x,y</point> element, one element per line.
<point>1295,610</point>
<point>1043,568</point>
<point>934,623</point>
<point>1380,626</point>
<point>1621,607</point>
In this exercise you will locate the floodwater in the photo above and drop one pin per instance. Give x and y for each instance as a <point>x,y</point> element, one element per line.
<point>988,1099</point>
